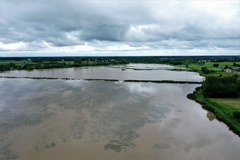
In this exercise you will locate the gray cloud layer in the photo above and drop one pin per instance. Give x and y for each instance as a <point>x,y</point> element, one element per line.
<point>117,26</point>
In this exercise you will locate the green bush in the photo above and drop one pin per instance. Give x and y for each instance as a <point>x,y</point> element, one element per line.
<point>205,70</point>
<point>236,115</point>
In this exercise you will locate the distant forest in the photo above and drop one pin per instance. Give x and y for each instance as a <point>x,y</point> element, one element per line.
<point>30,63</point>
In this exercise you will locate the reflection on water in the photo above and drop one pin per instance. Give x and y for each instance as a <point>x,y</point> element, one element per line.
<point>134,72</point>
<point>46,120</point>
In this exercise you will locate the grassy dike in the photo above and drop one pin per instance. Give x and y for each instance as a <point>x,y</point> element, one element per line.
<point>222,112</point>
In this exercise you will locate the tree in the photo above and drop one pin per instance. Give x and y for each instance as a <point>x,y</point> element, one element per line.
<point>221,87</point>
<point>236,115</point>
<point>205,70</point>
<point>77,63</point>
<point>216,65</point>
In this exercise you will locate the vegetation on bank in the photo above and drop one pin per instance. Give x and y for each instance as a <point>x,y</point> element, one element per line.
<point>45,63</point>
<point>233,102</point>
<point>227,113</point>
<point>220,92</point>
<point>214,65</point>
<point>211,68</point>
<point>220,95</point>
<point>221,87</point>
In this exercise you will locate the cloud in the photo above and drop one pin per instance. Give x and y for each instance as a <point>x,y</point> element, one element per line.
<point>119,27</point>
<point>12,46</point>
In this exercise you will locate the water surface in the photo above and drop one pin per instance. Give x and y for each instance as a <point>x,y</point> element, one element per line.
<point>128,72</point>
<point>94,120</point>
<point>57,119</point>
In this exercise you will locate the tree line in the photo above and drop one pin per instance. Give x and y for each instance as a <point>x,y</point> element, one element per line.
<point>65,62</point>
<point>221,87</point>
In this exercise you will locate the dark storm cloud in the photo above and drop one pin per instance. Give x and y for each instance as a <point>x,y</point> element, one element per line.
<point>94,24</point>
<point>44,19</point>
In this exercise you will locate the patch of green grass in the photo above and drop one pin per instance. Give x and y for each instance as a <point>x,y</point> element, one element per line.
<point>209,65</point>
<point>228,102</point>
<point>217,71</point>
<point>16,62</point>
<point>31,64</point>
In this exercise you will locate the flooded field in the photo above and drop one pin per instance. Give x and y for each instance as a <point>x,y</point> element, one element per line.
<point>128,72</point>
<point>97,120</point>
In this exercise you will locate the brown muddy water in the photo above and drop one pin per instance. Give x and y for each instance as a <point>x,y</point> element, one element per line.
<point>128,72</point>
<point>97,120</point>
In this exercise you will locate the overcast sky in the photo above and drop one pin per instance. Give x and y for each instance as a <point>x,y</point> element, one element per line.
<point>119,27</point>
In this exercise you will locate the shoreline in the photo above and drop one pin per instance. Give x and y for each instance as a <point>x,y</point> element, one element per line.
<point>216,109</point>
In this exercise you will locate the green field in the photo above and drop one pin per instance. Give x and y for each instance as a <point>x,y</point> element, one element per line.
<point>47,63</point>
<point>20,62</point>
<point>216,71</point>
<point>23,62</point>
<point>228,102</point>
<point>210,65</point>
<point>223,108</point>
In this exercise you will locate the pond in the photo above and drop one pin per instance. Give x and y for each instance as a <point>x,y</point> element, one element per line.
<point>92,120</point>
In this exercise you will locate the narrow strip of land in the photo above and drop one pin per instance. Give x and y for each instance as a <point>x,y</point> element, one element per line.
<point>114,80</point>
